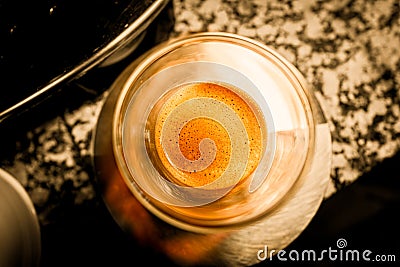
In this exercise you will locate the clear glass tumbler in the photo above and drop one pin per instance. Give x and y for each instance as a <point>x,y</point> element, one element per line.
<point>211,146</point>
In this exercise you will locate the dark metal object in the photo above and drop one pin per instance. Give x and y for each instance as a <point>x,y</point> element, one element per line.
<point>45,45</point>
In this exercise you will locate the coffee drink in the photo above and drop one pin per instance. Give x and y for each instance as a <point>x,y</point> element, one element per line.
<point>205,134</point>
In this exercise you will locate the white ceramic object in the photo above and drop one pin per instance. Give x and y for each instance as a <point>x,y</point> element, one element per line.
<point>20,242</point>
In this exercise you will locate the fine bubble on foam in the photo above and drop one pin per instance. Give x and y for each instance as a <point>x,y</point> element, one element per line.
<point>208,136</point>
<point>176,142</point>
<point>206,108</point>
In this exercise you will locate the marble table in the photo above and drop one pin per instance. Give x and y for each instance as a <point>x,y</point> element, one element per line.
<point>348,51</point>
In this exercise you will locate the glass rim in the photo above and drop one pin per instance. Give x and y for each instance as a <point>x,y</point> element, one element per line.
<point>290,72</point>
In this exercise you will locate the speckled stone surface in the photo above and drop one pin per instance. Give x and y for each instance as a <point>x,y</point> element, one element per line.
<point>348,51</point>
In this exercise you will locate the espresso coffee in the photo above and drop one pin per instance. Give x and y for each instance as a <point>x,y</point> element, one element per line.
<point>227,156</point>
<point>205,134</point>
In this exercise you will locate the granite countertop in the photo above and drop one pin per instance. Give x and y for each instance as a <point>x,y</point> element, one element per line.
<point>348,52</point>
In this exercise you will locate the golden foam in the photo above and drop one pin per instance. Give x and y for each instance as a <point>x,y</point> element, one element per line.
<point>205,131</point>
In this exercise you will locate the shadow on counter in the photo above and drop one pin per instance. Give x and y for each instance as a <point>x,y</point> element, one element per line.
<point>364,214</point>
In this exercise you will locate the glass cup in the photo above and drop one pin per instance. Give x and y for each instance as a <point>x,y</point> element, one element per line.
<point>218,142</point>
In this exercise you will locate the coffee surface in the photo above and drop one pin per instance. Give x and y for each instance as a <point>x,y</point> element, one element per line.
<point>207,134</point>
